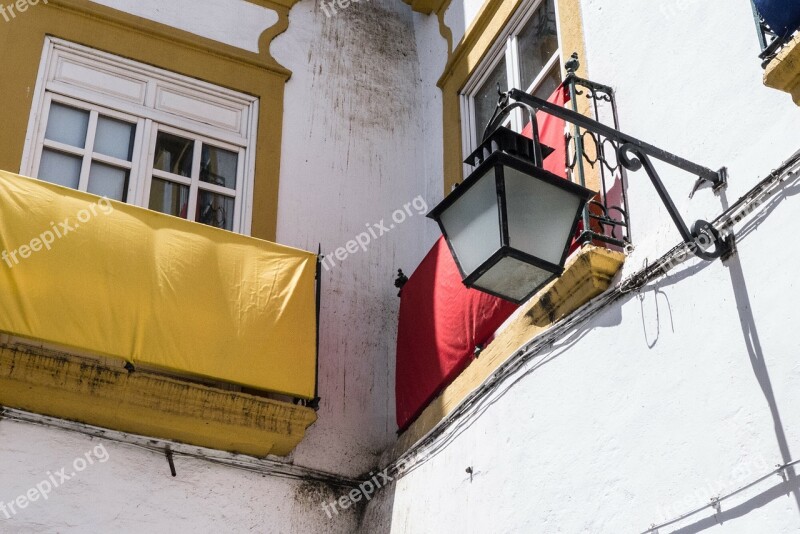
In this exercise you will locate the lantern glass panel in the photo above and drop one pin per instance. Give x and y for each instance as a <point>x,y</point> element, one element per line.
<point>512,278</point>
<point>473,223</point>
<point>540,215</point>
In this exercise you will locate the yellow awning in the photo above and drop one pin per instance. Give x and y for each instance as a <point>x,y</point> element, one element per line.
<point>126,282</point>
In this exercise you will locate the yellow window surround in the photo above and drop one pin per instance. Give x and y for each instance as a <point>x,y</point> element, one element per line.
<point>115,32</point>
<point>427,6</point>
<point>467,55</point>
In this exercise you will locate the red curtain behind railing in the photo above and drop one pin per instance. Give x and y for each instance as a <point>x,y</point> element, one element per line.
<point>441,321</point>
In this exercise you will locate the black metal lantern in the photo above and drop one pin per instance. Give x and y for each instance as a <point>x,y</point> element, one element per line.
<point>510,224</point>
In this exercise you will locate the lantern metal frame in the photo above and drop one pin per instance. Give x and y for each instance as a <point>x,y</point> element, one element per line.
<point>524,155</point>
<point>503,149</point>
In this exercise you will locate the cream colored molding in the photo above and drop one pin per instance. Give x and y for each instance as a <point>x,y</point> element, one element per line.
<point>783,72</point>
<point>587,275</point>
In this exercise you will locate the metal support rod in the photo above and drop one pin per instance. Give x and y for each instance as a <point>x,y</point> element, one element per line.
<point>714,177</point>
<point>579,150</point>
<point>643,161</point>
<point>635,154</point>
<point>318,294</point>
<point>170,461</point>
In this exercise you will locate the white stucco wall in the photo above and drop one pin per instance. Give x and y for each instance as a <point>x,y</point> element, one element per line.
<point>459,16</point>
<point>130,490</point>
<point>355,150</point>
<point>684,391</point>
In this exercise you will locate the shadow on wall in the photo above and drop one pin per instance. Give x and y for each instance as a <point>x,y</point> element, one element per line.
<point>657,292</point>
<point>755,352</point>
<point>740,510</point>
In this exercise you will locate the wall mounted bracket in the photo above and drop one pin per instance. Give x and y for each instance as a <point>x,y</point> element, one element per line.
<point>703,239</point>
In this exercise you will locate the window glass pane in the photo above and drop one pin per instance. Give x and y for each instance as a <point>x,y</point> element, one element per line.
<point>538,41</point>
<point>67,125</point>
<point>60,168</point>
<point>486,97</point>
<point>114,138</point>
<point>215,210</point>
<point>219,166</point>
<point>174,154</point>
<point>168,197</point>
<point>472,223</point>
<point>108,181</point>
<point>549,84</point>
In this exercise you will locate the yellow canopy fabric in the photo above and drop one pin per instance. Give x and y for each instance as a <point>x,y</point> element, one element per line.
<point>126,282</point>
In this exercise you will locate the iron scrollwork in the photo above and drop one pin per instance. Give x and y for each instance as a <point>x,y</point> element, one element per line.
<point>603,146</point>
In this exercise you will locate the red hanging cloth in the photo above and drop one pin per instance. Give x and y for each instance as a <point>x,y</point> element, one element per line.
<point>441,321</point>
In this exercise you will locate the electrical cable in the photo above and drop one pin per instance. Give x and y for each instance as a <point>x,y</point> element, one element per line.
<point>263,466</point>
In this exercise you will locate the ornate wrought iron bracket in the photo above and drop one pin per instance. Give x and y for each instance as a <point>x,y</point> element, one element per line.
<point>634,154</point>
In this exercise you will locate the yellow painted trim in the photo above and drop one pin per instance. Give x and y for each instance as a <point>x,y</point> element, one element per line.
<point>153,29</point>
<point>86,391</point>
<point>479,38</point>
<point>119,33</point>
<point>426,6</point>
<point>275,4</point>
<point>445,30</point>
<point>783,72</point>
<point>587,275</point>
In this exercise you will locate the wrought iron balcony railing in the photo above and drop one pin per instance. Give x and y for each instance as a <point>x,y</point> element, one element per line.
<point>599,156</point>
<point>592,161</point>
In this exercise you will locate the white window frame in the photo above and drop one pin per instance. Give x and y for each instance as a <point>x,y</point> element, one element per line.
<point>505,46</point>
<point>193,182</point>
<point>155,100</point>
<point>87,153</point>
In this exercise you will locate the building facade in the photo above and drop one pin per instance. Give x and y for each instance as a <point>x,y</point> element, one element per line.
<point>643,390</point>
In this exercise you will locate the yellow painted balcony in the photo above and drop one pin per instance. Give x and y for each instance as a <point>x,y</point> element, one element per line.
<point>125,318</point>
<point>783,72</point>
